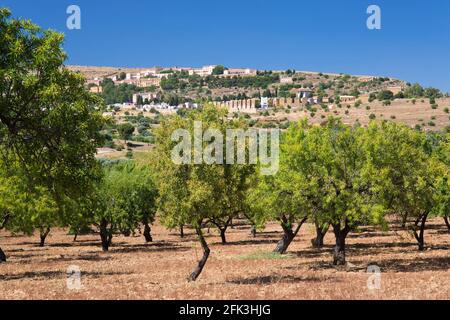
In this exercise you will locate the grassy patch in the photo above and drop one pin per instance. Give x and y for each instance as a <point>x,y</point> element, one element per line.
<point>265,255</point>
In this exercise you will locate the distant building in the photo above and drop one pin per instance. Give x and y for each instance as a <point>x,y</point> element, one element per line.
<point>264,103</point>
<point>366,78</point>
<point>204,71</point>
<point>244,106</point>
<point>347,99</point>
<point>239,72</point>
<point>145,96</point>
<point>304,93</point>
<point>286,80</point>
<point>151,72</point>
<point>96,89</point>
<point>147,82</point>
<point>188,105</point>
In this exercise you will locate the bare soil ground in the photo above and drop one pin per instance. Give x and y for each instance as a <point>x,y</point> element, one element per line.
<point>243,269</point>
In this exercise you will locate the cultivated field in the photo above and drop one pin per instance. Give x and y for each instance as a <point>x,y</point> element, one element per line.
<point>243,269</point>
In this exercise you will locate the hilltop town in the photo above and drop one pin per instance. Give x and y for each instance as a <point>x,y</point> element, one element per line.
<point>239,89</point>
<point>139,97</point>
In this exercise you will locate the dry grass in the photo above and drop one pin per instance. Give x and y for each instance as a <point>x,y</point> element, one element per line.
<point>243,269</point>
<point>401,111</point>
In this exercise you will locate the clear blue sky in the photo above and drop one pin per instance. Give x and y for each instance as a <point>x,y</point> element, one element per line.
<point>313,35</point>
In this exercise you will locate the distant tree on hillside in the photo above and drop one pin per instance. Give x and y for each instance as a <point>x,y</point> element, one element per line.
<point>126,131</point>
<point>218,70</point>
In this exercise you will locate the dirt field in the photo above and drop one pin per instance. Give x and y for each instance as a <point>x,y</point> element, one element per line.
<point>243,269</point>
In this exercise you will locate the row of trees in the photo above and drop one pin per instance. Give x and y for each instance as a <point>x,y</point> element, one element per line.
<point>332,175</point>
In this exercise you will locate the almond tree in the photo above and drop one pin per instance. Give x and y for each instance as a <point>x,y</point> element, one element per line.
<point>124,198</point>
<point>279,198</point>
<point>49,123</point>
<point>197,194</point>
<point>409,173</point>
<point>38,211</point>
<point>332,161</point>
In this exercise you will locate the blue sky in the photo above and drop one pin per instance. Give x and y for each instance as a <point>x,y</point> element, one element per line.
<point>319,35</point>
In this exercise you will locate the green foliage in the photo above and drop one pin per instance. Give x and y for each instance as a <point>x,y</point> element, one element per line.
<point>258,81</point>
<point>121,93</point>
<point>124,198</point>
<point>385,95</point>
<point>49,124</point>
<point>195,193</point>
<point>126,131</point>
<point>218,70</point>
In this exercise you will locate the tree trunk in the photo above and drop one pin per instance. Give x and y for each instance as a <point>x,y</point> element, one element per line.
<point>105,236</point>
<point>147,232</point>
<point>321,231</point>
<point>253,231</point>
<point>285,241</point>
<point>222,235</point>
<point>420,237</point>
<point>288,236</point>
<point>404,220</point>
<point>43,236</point>
<point>4,222</point>
<point>2,256</point>
<point>339,249</point>
<point>447,223</point>
<point>194,275</point>
<point>75,237</point>
<point>181,232</point>
<point>222,226</point>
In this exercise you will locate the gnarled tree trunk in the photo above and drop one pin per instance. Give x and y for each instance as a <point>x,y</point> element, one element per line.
<point>447,223</point>
<point>422,219</point>
<point>2,256</point>
<point>404,220</point>
<point>222,235</point>
<point>43,235</point>
<point>147,232</point>
<point>105,235</point>
<point>181,232</point>
<point>222,226</point>
<point>321,231</point>
<point>288,235</point>
<point>253,231</point>
<point>198,270</point>
<point>339,249</point>
<point>2,225</point>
